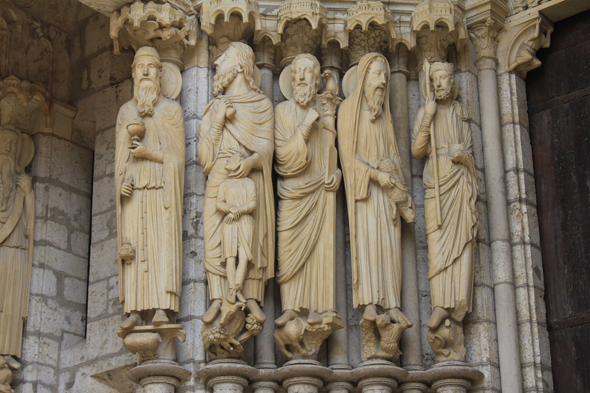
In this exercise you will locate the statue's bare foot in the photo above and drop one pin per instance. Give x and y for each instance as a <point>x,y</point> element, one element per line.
<point>254,308</point>
<point>231,297</point>
<point>133,320</point>
<point>398,317</point>
<point>212,312</point>
<point>370,313</point>
<point>287,316</point>
<point>241,297</point>
<point>438,315</point>
<point>314,318</point>
<point>160,318</point>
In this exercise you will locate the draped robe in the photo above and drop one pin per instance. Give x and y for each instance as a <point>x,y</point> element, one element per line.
<point>301,220</point>
<point>151,219</point>
<point>249,131</point>
<point>450,247</point>
<point>15,269</point>
<point>375,239</point>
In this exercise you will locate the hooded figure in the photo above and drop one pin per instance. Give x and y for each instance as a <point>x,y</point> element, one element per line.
<point>368,153</point>
<point>17,224</point>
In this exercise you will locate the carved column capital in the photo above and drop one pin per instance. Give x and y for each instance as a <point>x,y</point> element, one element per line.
<point>265,53</point>
<point>332,56</point>
<point>169,29</point>
<point>23,103</point>
<point>399,59</point>
<point>485,39</point>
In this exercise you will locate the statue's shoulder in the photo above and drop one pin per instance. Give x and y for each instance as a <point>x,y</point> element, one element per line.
<point>170,104</point>
<point>127,108</point>
<point>282,107</point>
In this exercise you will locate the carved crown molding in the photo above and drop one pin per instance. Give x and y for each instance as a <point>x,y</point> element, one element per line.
<point>247,9</point>
<point>435,25</point>
<point>370,27</point>
<point>311,10</point>
<point>22,101</point>
<point>163,26</point>
<point>518,44</point>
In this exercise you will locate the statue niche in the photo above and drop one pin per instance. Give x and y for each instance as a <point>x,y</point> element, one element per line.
<point>236,144</point>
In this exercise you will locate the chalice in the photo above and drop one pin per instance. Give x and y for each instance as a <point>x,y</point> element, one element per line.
<point>136,129</point>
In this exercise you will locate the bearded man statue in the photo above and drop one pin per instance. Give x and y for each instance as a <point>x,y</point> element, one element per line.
<point>451,230</point>
<point>17,219</point>
<point>149,181</point>
<point>377,197</point>
<point>237,123</point>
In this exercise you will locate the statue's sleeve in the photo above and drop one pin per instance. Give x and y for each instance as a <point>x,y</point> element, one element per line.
<point>420,140</point>
<point>208,143</point>
<point>363,173</point>
<point>290,146</point>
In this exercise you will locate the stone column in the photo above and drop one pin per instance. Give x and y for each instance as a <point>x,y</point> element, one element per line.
<point>398,100</point>
<point>413,387</point>
<point>264,345</point>
<point>377,385</point>
<point>303,385</point>
<point>228,384</point>
<point>265,386</point>
<point>339,387</point>
<point>331,60</point>
<point>452,385</point>
<point>484,36</point>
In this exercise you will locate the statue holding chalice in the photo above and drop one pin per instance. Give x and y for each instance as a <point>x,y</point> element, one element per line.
<point>149,178</point>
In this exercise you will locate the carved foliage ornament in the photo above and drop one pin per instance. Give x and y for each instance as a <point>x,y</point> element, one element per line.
<point>299,37</point>
<point>20,102</point>
<point>485,38</point>
<point>150,24</point>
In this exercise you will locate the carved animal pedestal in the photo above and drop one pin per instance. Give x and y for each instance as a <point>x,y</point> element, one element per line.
<point>8,372</point>
<point>380,338</point>
<point>447,341</point>
<point>157,371</point>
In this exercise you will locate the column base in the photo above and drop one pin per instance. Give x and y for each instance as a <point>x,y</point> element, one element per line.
<point>227,384</point>
<point>159,376</point>
<point>303,385</point>
<point>451,385</point>
<point>377,385</point>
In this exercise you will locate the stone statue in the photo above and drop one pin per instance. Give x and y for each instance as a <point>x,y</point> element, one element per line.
<point>306,162</point>
<point>442,135</point>
<point>149,181</point>
<point>236,145</point>
<point>17,218</point>
<point>376,196</point>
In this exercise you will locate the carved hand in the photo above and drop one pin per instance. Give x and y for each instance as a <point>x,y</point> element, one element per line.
<point>460,157</point>
<point>24,183</point>
<point>312,115</point>
<point>126,189</point>
<point>139,150</point>
<point>243,168</point>
<point>430,107</point>
<point>384,180</point>
<point>224,105</point>
<point>334,182</point>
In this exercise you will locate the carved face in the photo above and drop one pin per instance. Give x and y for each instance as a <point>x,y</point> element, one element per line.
<point>374,88</point>
<point>227,61</point>
<point>146,68</point>
<point>443,83</point>
<point>8,144</point>
<point>304,81</point>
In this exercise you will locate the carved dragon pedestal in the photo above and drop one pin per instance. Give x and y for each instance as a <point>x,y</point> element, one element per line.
<point>157,370</point>
<point>447,341</point>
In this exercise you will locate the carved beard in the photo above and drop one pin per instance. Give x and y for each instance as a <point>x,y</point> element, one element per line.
<point>375,95</point>
<point>146,94</point>
<point>303,95</point>
<point>443,93</point>
<point>7,176</point>
<point>222,79</point>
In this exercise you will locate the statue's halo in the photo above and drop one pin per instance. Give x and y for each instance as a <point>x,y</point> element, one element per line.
<point>350,80</point>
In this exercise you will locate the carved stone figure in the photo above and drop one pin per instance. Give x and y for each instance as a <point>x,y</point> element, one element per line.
<point>236,144</point>
<point>309,178</point>
<point>17,216</point>
<point>377,196</point>
<point>442,136</point>
<point>149,170</point>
